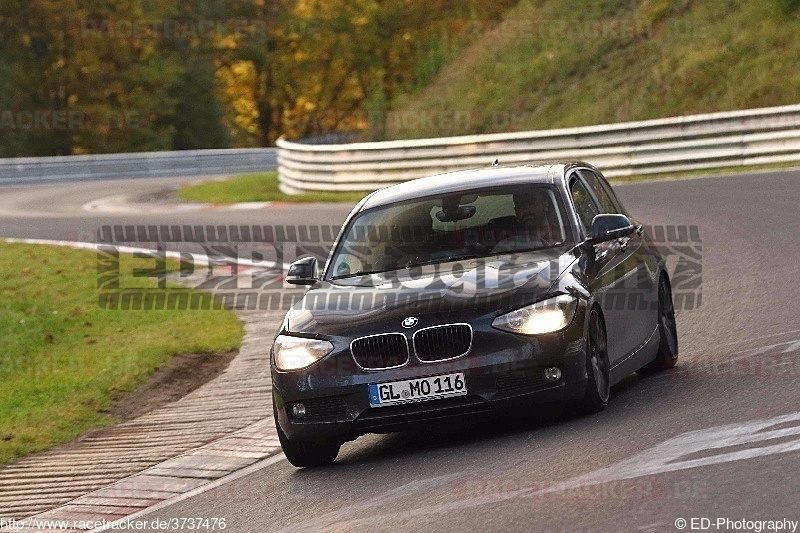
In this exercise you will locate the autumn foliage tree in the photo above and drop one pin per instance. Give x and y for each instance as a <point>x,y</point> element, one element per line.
<point>138,75</point>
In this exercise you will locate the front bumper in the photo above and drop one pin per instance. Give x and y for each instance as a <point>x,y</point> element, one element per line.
<point>502,370</point>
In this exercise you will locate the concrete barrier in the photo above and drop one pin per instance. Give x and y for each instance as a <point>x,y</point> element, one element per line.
<point>136,165</point>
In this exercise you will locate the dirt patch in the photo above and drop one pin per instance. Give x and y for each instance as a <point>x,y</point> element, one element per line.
<point>182,375</point>
<point>164,194</point>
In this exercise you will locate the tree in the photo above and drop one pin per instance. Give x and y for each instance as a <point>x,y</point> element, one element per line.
<point>199,115</point>
<point>125,83</point>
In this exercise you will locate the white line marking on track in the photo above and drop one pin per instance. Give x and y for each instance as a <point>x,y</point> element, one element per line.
<point>761,337</point>
<point>676,453</point>
<point>198,259</point>
<point>669,456</point>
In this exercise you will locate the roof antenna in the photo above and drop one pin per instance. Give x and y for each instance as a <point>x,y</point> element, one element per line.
<point>496,163</point>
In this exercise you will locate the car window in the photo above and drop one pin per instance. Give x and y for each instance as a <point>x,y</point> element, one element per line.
<point>584,203</point>
<point>608,202</point>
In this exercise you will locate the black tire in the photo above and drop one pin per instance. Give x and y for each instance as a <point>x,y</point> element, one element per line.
<point>598,367</point>
<point>667,356</point>
<point>307,454</point>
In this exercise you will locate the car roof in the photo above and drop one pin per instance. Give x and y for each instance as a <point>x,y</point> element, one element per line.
<point>461,180</point>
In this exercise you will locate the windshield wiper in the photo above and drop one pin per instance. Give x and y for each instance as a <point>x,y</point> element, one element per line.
<point>359,273</point>
<point>447,259</point>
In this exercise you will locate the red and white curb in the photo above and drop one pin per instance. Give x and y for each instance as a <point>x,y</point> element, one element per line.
<point>120,205</point>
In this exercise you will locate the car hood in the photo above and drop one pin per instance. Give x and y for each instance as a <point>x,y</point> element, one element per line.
<point>434,294</point>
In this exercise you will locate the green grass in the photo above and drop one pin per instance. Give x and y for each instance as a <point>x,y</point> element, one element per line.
<point>241,189</point>
<point>257,188</point>
<point>63,359</point>
<point>563,63</point>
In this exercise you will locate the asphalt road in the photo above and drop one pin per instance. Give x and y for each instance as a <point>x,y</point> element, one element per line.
<point>717,437</point>
<point>56,211</point>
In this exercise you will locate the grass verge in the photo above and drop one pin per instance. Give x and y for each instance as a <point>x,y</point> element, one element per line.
<point>64,360</point>
<point>563,63</point>
<point>240,189</point>
<point>262,187</point>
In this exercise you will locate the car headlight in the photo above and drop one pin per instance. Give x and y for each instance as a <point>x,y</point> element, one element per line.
<point>294,353</point>
<point>547,316</point>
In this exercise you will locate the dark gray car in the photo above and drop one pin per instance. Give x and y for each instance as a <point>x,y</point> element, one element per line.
<point>464,293</point>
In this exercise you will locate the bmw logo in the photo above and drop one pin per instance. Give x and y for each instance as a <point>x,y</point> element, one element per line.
<point>410,322</point>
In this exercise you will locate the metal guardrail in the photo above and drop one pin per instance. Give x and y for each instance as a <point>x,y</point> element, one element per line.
<point>136,165</point>
<point>696,142</point>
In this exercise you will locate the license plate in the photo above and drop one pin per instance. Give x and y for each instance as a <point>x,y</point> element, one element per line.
<point>417,390</point>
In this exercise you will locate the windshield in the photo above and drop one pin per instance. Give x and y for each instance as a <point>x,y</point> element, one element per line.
<point>458,226</point>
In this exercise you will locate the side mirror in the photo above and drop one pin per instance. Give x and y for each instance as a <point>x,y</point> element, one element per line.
<point>303,272</point>
<point>609,227</point>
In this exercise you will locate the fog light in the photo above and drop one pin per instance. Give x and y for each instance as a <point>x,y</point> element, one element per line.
<point>553,373</point>
<point>299,410</point>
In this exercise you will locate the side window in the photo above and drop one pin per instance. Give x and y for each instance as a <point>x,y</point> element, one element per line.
<point>608,202</point>
<point>584,204</point>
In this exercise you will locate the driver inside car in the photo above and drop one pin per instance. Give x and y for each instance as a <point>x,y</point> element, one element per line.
<point>532,228</point>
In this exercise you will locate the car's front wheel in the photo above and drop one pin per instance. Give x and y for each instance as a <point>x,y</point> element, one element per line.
<point>598,367</point>
<point>307,454</point>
